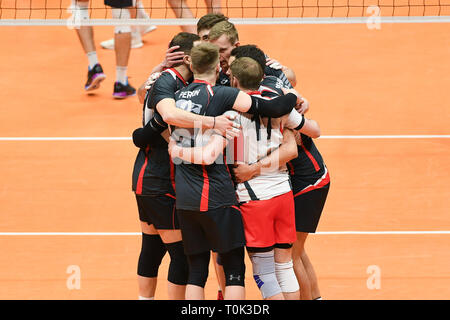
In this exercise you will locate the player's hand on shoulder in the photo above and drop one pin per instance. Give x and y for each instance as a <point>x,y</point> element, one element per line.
<point>151,80</point>
<point>274,64</point>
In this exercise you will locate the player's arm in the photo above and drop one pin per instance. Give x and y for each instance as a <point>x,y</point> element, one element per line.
<point>156,125</point>
<point>185,119</point>
<point>288,72</point>
<point>205,155</point>
<point>274,108</point>
<point>278,158</point>
<point>297,121</point>
<point>150,133</point>
<point>290,75</point>
<point>146,86</point>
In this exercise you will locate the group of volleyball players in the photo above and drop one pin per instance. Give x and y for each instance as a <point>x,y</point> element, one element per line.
<point>226,163</point>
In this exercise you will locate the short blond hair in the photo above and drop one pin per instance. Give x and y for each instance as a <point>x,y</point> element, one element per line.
<point>224,28</point>
<point>204,57</point>
<point>248,72</point>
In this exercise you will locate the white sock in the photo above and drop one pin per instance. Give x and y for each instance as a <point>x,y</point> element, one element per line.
<point>144,298</point>
<point>121,74</point>
<point>93,60</point>
<point>135,34</point>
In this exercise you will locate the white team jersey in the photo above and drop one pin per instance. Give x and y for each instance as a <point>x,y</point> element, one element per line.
<point>258,139</point>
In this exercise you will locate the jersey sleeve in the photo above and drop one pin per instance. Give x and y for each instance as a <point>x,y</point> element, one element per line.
<point>226,96</point>
<point>163,88</point>
<point>279,74</point>
<point>271,87</point>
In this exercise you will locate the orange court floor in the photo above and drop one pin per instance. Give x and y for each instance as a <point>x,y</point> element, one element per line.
<point>393,81</point>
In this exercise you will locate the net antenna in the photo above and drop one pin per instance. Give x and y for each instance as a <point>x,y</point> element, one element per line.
<point>56,13</point>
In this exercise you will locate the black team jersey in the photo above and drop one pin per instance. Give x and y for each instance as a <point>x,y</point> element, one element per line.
<point>154,172</point>
<point>224,80</point>
<point>279,74</point>
<point>203,187</point>
<point>307,171</point>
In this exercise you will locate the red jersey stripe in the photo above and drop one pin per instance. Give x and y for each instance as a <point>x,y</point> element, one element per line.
<point>314,162</point>
<point>321,184</point>
<point>141,173</point>
<point>291,168</point>
<point>178,75</point>
<point>205,192</point>
<point>172,174</point>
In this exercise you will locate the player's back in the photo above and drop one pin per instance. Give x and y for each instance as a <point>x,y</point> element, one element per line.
<point>260,137</point>
<point>203,187</point>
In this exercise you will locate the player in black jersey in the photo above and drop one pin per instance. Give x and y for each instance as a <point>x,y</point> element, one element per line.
<point>154,186</point>
<point>310,182</point>
<point>206,201</point>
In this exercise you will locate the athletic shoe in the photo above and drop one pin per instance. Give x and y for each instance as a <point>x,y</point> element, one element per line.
<point>122,91</point>
<point>146,29</point>
<point>95,77</point>
<point>136,42</point>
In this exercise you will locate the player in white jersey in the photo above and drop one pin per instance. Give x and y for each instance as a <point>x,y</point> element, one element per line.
<point>267,204</point>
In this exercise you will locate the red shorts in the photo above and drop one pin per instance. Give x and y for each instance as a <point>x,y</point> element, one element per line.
<point>268,222</point>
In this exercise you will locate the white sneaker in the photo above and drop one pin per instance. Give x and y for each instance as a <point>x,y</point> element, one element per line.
<point>146,29</point>
<point>136,41</point>
<point>109,44</point>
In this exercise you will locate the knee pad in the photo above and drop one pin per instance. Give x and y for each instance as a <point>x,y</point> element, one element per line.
<point>80,13</point>
<point>198,268</point>
<point>286,276</point>
<point>178,268</point>
<point>122,14</point>
<point>152,253</point>
<point>264,273</point>
<point>234,267</point>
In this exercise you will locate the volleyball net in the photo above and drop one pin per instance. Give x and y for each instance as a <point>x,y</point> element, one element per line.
<point>55,12</point>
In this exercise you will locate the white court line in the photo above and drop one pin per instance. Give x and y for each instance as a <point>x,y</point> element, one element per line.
<point>443,136</point>
<point>139,233</point>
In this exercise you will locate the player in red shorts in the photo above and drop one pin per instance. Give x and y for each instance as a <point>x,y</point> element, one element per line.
<point>310,181</point>
<point>268,210</point>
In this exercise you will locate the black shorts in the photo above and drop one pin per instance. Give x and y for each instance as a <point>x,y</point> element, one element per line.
<point>308,209</point>
<point>219,230</point>
<point>119,3</point>
<point>159,211</point>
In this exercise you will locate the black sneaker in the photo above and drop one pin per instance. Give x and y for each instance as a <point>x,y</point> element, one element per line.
<point>122,91</point>
<point>95,77</point>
